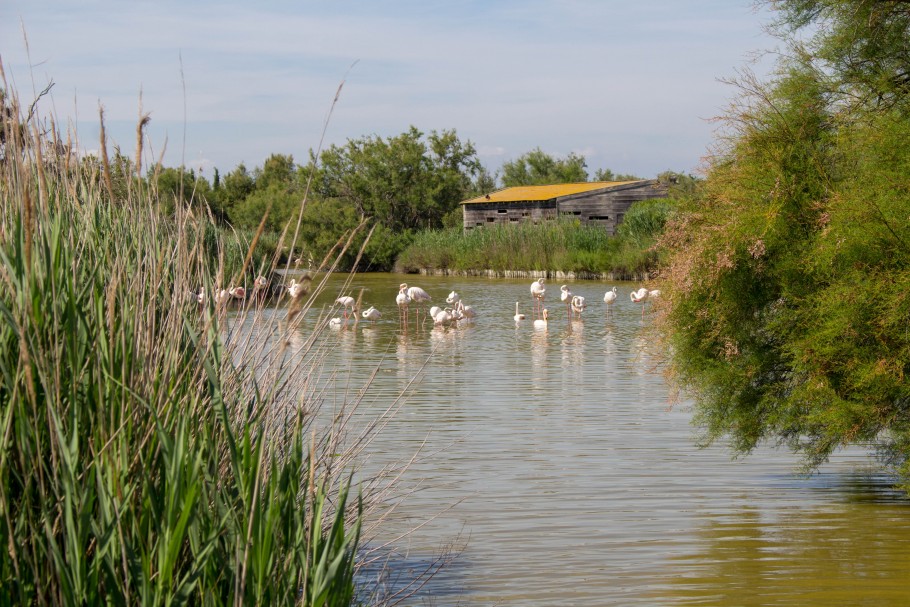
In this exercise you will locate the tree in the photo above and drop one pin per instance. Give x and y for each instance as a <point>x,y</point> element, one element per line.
<point>786,308</point>
<point>404,183</point>
<point>539,168</point>
<point>608,175</point>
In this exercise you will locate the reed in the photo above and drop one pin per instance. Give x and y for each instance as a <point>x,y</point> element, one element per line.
<point>562,245</point>
<point>152,451</point>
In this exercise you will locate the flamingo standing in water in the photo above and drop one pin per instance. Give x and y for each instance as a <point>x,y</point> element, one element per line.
<point>538,290</point>
<point>578,305</point>
<point>348,303</point>
<point>453,298</point>
<point>610,297</point>
<point>541,323</point>
<point>372,314</point>
<point>418,296</point>
<point>295,289</point>
<point>466,312</point>
<point>566,296</point>
<point>517,316</point>
<point>640,296</point>
<point>402,300</point>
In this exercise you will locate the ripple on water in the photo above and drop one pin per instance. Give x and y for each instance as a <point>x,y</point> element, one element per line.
<point>555,454</point>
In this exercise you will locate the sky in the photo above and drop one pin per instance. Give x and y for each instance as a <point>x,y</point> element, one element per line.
<point>631,86</point>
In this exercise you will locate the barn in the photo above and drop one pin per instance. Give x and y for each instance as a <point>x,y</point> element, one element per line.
<point>600,203</point>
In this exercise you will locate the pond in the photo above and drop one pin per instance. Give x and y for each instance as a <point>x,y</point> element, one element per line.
<point>553,463</point>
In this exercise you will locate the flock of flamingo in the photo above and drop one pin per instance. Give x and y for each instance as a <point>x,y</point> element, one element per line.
<point>456,311</point>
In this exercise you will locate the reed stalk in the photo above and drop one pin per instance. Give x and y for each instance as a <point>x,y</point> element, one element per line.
<point>151,451</point>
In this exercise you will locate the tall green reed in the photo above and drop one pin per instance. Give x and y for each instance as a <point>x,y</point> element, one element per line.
<point>148,453</point>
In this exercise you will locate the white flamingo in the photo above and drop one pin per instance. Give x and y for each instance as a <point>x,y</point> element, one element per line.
<point>541,323</point>
<point>466,312</point>
<point>418,296</point>
<point>517,316</point>
<point>336,323</point>
<point>453,298</point>
<point>610,297</point>
<point>295,289</point>
<point>221,296</point>
<point>538,290</point>
<point>578,305</point>
<point>640,296</point>
<point>237,292</point>
<point>402,300</point>
<point>348,303</point>
<point>565,295</point>
<point>372,314</point>
<point>441,318</point>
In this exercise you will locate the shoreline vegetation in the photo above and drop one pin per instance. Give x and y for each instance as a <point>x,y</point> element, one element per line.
<point>151,450</point>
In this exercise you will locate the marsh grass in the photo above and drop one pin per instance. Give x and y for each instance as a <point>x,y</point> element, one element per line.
<point>150,451</point>
<point>562,245</point>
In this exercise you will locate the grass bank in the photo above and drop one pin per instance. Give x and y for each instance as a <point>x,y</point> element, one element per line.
<point>553,246</point>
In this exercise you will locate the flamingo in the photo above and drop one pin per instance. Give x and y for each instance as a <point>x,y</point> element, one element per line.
<point>200,297</point>
<point>221,296</point>
<point>441,318</point>
<point>578,305</point>
<point>348,303</point>
<point>518,316</point>
<point>372,314</point>
<point>610,297</point>
<point>566,296</point>
<point>640,296</point>
<point>418,296</point>
<point>295,289</point>
<point>336,323</point>
<point>402,299</point>
<point>453,298</point>
<point>541,323</point>
<point>466,311</point>
<point>237,292</point>
<point>538,290</point>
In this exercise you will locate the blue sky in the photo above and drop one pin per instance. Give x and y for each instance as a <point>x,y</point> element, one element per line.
<point>629,85</point>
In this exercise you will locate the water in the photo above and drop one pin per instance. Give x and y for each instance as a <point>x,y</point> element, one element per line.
<point>554,464</point>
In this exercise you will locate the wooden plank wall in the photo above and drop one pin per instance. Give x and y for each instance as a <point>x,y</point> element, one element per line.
<point>604,208</point>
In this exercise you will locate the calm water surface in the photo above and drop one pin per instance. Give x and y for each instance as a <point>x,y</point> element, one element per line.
<point>553,459</point>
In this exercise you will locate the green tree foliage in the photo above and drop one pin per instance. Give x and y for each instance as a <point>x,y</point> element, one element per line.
<point>539,168</point>
<point>787,312</point>
<point>608,175</point>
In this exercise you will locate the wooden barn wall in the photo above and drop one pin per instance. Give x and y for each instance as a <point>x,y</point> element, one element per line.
<point>479,214</point>
<point>607,209</point>
<point>604,208</point>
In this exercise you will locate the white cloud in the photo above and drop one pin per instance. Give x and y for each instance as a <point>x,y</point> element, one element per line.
<point>621,78</point>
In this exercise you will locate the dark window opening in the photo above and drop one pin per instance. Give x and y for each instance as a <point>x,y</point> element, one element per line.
<point>599,218</point>
<point>502,211</point>
<point>491,219</point>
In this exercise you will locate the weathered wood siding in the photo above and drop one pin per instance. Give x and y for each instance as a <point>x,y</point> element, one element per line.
<point>479,214</point>
<point>604,207</point>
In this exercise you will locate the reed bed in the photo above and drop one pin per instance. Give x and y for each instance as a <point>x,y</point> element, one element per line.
<point>152,451</point>
<point>561,245</point>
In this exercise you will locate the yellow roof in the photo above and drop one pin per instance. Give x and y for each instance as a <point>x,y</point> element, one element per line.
<point>543,192</point>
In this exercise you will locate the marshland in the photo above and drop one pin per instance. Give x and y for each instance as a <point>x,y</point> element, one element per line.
<point>214,390</point>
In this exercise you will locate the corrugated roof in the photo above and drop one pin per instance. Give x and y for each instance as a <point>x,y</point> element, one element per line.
<point>543,192</point>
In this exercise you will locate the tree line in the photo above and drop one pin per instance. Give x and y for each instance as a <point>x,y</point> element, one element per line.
<point>402,185</point>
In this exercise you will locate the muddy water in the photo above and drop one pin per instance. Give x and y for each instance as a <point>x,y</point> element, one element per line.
<point>553,461</point>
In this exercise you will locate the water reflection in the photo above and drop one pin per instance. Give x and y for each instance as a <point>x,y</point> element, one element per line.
<point>572,479</point>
